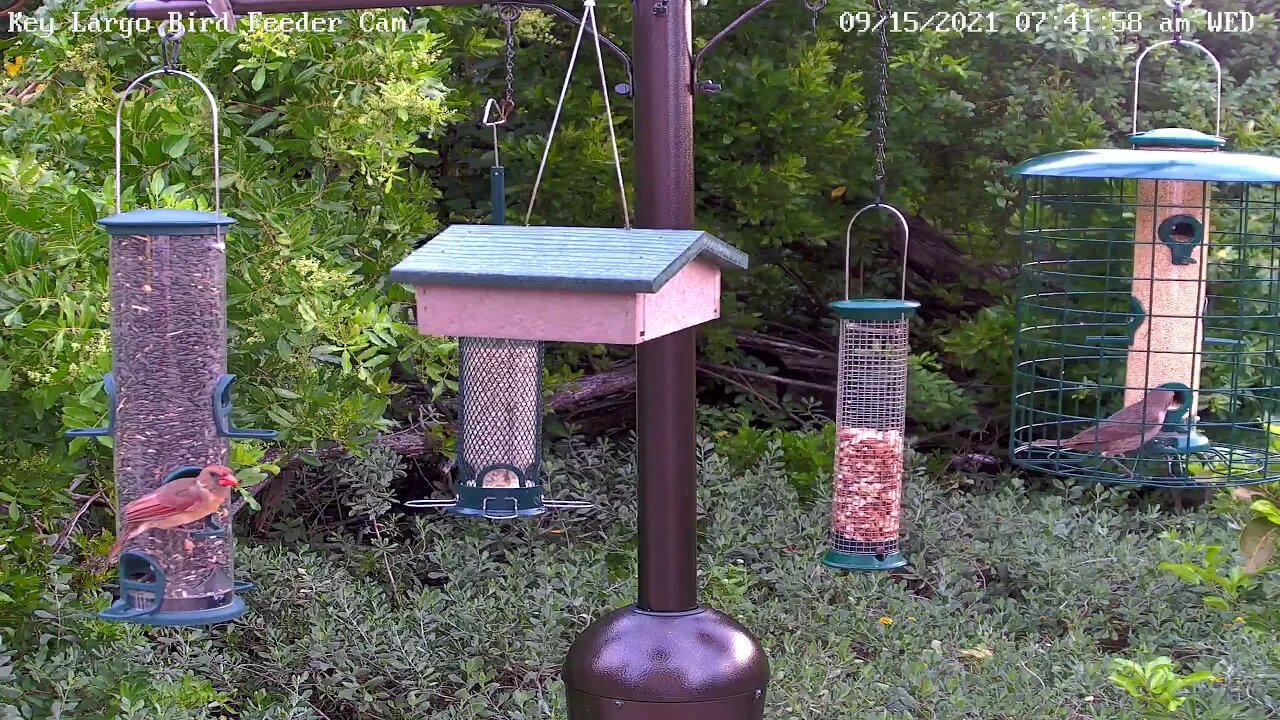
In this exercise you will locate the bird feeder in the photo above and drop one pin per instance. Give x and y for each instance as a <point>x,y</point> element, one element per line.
<point>871,407</point>
<point>169,399</point>
<point>1152,267</point>
<point>504,291</point>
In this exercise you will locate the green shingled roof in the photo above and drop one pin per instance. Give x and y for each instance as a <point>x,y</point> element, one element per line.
<point>563,258</point>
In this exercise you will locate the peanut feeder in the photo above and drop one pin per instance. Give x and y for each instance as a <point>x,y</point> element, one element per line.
<point>871,406</point>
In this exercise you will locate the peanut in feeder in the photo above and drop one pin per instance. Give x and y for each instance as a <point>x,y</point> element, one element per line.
<point>1144,269</point>
<point>169,395</point>
<point>871,392</point>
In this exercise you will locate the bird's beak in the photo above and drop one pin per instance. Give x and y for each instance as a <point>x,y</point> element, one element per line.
<point>228,481</point>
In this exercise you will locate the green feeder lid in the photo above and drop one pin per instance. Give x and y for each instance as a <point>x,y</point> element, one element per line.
<point>165,222</point>
<point>1176,137</point>
<point>1153,165</point>
<point>874,309</point>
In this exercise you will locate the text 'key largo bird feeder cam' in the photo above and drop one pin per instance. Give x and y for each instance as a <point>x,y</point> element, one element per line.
<point>1147,342</point>
<point>169,402</point>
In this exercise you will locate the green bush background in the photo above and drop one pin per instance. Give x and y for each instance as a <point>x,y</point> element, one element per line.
<point>341,150</point>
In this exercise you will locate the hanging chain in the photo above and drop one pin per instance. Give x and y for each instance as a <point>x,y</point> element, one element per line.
<point>509,14</point>
<point>884,9</point>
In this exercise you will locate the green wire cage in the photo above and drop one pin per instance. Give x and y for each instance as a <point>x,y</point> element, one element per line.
<point>1145,270</point>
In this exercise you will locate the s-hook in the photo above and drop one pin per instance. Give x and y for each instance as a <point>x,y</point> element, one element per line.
<point>493,117</point>
<point>815,7</point>
<point>170,44</point>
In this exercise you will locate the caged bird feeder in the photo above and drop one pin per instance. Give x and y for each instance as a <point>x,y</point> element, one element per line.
<point>504,291</point>
<point>1147,269</point>
<point>871,406</point>
<point>169,397</point>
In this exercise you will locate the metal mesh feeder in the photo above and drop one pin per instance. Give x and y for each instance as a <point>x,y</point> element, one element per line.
<point>1145,270</point>
<point>504,291</point>
<point>169,398</point>
<point>871,406</point>
<point>499,431</point>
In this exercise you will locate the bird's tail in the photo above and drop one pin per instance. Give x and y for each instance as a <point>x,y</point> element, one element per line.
<point>128,534</point>
<point>116,549</point>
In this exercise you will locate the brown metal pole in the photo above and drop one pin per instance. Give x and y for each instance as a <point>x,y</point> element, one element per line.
<point>663,117</point>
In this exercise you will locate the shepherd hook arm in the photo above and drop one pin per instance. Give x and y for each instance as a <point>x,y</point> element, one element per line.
<point>726,32</point>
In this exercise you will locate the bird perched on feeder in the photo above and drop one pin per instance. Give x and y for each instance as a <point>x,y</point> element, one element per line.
<point>222,10</point>
<point>1126,431</point>
<point>175,504</point>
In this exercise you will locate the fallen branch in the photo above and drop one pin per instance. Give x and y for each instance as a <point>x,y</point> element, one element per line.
<point>770,378</point>
<point>777,406</point>
<point>65,535</point>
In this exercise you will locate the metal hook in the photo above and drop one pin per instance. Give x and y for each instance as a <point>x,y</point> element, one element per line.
<point>171,34</point>
<point>906,240</point>
<point>494,115</point>
<point>815,7</point>
<point>213,108</point>
<point>1137,76</point>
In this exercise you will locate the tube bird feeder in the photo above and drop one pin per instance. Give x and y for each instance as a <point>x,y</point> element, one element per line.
<point>504,291</point>
<point>169,400</point>
<point>1150,268</point>
<point>871,408</point>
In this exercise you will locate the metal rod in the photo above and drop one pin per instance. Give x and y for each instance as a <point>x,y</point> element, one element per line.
<point>726,32</point>
<point>666,401</point>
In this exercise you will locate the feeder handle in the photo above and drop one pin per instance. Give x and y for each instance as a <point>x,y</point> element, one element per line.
<point>906,243</point>
<point>588,12</point>
<point>1217,66</point>
<point>213,106</point>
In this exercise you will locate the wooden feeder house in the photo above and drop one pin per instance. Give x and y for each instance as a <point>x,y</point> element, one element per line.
<point>506,290</point>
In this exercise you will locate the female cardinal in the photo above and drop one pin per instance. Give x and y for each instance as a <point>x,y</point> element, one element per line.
<point>1124,432</point>
<point>175,504</point>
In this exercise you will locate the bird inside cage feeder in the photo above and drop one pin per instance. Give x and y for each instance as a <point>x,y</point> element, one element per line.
<point>1146,346</point>
<point>871,406</point>
<point>505,291</point>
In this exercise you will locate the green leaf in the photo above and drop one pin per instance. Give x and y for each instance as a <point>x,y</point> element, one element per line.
<point>1267,509</point>
<point>1258,543</point>
<point>259,78</point>
<point>1216,603</point>
<point>262,122</point>
<point>1184,572</point>
<point>176,146</point>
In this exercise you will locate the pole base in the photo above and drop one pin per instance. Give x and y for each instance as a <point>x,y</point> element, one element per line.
<point>638,665</point>
<point>849,561</point>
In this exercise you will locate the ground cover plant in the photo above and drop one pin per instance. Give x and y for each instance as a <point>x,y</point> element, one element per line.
<point>1023,599</point>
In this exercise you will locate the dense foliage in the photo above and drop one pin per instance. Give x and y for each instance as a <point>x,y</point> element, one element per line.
<point>341,149</point>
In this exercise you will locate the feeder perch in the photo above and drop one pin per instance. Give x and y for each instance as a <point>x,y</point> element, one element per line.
<point>506,290</point>
<point>871,409</point>
<point>1144,268</point>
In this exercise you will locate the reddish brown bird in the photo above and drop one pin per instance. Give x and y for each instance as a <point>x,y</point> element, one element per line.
<point>1125,431</point>
<point>176,503</point>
